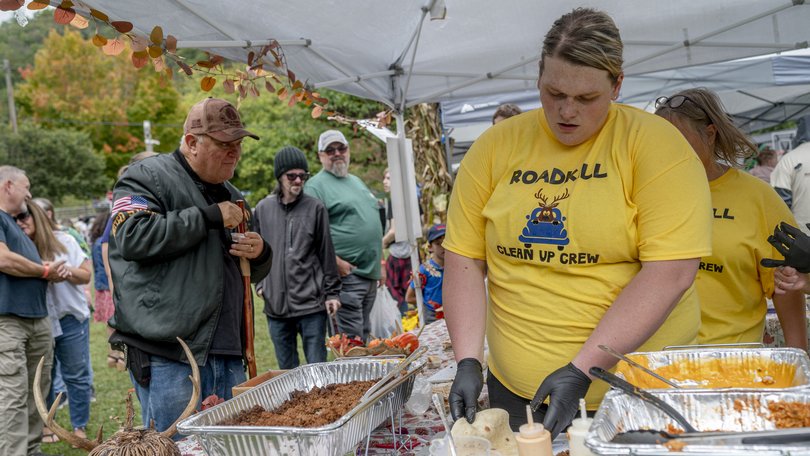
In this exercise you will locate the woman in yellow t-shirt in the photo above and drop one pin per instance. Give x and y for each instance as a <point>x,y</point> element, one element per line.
<point>588,219</point>
<point>731,283</point>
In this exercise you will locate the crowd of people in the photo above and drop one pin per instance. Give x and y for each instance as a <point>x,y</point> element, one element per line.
<point>653,236</point>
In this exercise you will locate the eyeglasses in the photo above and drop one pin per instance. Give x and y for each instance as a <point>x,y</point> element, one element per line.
<point>334,150</point>
<point>676,102</point>
<point>225,145</point>
<point>22,216</point>
<point>292,177</point>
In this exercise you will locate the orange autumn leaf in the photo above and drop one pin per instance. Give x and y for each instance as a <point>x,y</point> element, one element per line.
<point>99,40</point>
<point>159,64</point>
<point>282,93</point>
<point>140,59</point>
<point>269,86</point>
<point>122,26</point>
<point>254,91</point>
<point>157,35</point>
<point>316,111</point>
<point>63,16</point>
<point>207,83</point>
<point>216,60</point>
<point>99,15</point>
<point>171,44</point>
<point>80,22</point>
<point>10,5</point>
<point>114,47</point>
<point>37,5</point>
<point>154,51</point>
<point>228,86</point>
<point>242,90</point>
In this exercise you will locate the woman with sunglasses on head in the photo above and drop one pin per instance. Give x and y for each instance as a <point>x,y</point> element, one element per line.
<point>731,283</point>
<point>67,301</point>
<point>572,213</point>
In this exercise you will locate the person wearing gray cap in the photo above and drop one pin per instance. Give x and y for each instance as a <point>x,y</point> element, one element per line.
<point>303,283</point>
<point>175,264</point>
<point>354,221</point>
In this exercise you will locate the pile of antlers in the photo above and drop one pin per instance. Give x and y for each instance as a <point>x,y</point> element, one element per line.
<point>127,440</point>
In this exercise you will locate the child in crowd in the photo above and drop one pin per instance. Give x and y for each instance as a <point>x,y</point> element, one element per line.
<point>431,274</point>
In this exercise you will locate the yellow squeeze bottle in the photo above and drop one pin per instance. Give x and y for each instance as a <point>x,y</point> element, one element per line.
<point>578,431</point>
<point>533,439</point>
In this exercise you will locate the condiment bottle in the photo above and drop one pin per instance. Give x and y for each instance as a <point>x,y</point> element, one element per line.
<point>533,439</point>
<point>578,431</point>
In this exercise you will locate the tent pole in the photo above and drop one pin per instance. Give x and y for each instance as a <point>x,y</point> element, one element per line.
<point>411,235</point>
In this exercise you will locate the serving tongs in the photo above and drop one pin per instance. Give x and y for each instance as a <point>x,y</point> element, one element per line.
<point>636,365</point>
<point>394,373</point>
<point>795,436</point>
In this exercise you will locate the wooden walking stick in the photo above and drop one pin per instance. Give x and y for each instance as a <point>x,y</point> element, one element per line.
<point>247,303</point>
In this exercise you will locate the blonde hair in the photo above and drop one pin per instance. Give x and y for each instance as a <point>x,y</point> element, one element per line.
<point>44,238</point>
<point>586,37</point>
<point>703,107</point>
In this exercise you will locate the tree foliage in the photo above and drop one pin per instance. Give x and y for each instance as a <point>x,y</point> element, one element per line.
<point>73,85</point>
<point>58,162</point>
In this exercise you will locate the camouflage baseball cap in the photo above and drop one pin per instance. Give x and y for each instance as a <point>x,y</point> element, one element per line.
<point>216,118</point>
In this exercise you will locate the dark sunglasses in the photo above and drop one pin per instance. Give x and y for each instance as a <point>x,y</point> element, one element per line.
<point>333,150</point>
<point>292,177</point>
<point>676,102</point>
<point>22,216</point>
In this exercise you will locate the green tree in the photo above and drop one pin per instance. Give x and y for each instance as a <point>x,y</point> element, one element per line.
<point>74,85</point>
<point>58,162</point>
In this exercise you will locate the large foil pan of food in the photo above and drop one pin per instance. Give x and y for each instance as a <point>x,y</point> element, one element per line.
<point>621,415</point>
<point>248,424</point>
<point>718,367</point>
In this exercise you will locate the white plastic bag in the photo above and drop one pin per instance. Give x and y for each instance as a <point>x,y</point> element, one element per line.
<point>385,317</point>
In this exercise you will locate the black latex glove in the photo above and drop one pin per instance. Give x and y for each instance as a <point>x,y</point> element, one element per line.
<point>565,386</point>
<point>466,388</point>
<point>793,244</point>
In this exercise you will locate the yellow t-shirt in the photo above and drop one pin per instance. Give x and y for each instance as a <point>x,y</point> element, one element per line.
<point>731,283</point>
<point>563,230</point>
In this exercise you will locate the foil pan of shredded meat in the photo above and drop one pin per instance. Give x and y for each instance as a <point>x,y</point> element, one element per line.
<point>729,410</point>
<point>716,367</point>
<point>331,439</point>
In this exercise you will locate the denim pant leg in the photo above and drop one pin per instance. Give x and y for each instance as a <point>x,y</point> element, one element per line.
<point>355,307</point>
<point>170,389</point>
<point>284,334</point>
<point>313,333</point>
<point>73,350</point>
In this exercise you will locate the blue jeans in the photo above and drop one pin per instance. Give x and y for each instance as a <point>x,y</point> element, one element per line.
<point>72,349</point>
<point>284,333</point>
<point>357,296</point>
<point>170,389</point>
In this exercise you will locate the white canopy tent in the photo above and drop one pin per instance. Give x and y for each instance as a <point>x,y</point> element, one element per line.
<point>391,50</point>
<point>758,92</point>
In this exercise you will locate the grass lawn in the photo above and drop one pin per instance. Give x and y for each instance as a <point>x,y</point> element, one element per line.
<point>112,385</point>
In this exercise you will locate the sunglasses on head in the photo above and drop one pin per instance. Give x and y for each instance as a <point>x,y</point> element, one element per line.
<point>333,150</point>
<point>676,102</point>
<point>292,177</point>
<point>22,216</point>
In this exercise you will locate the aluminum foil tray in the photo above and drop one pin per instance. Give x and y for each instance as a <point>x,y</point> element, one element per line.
<point>792,358</point>
<point>707,410</point>
<point>334,439</point>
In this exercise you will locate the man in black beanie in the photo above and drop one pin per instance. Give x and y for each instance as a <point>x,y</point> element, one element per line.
<point>303,283</point>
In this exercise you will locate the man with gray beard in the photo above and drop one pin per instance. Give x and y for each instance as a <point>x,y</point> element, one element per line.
<point>354,221</point>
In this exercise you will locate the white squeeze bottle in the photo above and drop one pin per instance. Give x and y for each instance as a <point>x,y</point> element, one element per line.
<point>533,439</point>
<point>578,431</point>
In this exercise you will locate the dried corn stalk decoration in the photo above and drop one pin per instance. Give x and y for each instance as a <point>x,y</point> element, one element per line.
<point>128,440</point>
<point>424,129</point>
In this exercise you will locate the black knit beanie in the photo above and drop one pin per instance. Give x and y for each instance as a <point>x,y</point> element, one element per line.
<point>287,158</point>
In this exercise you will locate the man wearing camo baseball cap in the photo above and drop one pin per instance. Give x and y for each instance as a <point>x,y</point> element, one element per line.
<point>175,264</point>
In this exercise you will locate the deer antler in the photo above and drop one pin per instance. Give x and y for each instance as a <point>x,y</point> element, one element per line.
<point>195,394</point>
<point>561,197</point>
<point>47,415</point>
<point>539,195</point>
